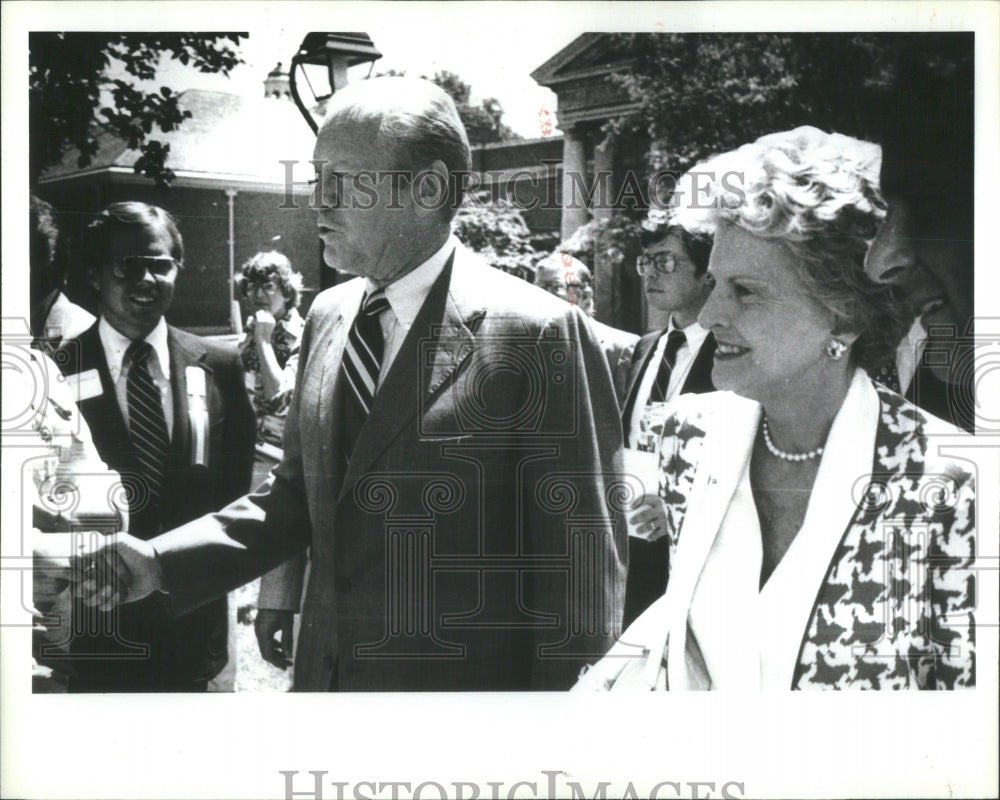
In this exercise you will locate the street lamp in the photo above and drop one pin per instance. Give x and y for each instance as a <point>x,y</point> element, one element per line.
<point>334,51</point>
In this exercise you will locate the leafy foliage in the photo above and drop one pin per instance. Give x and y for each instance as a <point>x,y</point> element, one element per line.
<point>496,230</point>
<point>73,75</point>
<point>616,241</point>
<point>701,94</point>
<point>484,122</point>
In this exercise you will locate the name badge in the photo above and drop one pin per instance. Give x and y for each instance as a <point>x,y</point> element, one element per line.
<point>194,378</point>
<point>85,385</point>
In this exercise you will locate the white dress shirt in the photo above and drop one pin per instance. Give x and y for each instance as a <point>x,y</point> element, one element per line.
<point>695,336</point>
<point>115,345</point>
<point>908,354</point>
<point>406,297</point>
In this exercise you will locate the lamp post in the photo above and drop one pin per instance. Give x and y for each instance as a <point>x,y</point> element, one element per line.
<point>335,52</point>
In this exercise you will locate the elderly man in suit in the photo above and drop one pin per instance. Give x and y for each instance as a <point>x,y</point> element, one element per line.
<point>445,460</point>
<point>169,412</point>
<point>569,278</point>
<point>665,363</point>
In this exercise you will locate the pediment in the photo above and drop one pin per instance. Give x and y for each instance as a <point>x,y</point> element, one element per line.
<point>585,55</point>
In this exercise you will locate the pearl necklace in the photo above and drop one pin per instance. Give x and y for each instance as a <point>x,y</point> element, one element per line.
<point>788,456</point>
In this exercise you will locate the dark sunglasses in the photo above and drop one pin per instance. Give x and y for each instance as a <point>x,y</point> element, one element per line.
<point>130,268</point>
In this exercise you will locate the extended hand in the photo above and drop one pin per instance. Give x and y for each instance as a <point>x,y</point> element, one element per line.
<point>116,569</point>
<point>269,622</point>
<point>648,518</point>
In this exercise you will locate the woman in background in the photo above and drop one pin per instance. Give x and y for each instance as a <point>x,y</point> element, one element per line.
<point>270,350</point>
<point>817,538</point>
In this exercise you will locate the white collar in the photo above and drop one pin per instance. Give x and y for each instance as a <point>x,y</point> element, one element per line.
<point>406,295</point>
<point>693,333</point>
<point>750,637</point>
<point>115,345</point>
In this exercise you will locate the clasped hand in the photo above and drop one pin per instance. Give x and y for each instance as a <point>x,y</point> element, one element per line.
<point>108,571</point>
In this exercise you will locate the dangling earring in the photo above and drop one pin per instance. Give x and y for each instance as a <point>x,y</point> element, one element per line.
<point>835,349</point>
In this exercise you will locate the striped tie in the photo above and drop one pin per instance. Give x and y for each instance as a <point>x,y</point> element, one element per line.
<point>361,365</point>
<point>675,340</point>
<point>146,420</point>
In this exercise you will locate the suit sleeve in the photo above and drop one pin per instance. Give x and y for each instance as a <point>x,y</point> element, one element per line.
<point>212,555</point>
<point>594,537</point>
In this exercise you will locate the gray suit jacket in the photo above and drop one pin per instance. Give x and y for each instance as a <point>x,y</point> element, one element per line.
<point>618,347</point>
<point>471,543</point>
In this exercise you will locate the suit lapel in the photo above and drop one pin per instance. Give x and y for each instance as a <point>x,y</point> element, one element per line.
<point>699,378</point>
<point>440,339</point>
<point>184,352</point>
<point>643,353</point>
<point>330,392</point>
<point>103,414</point>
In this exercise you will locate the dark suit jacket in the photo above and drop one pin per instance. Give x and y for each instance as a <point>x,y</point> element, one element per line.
<point>469,545</point>
<point>648,561</point>
<point>952,403</point>
<point>192,647</point>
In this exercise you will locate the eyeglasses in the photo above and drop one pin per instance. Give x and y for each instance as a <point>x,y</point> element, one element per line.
<point>664,263</point>
<point>130,268</point>
<point>268,288</point>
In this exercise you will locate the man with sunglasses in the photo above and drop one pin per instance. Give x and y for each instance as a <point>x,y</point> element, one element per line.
<point>674,360</point>
<point>169,411</point>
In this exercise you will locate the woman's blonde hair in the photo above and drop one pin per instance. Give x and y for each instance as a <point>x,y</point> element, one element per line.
<point>818,193</point>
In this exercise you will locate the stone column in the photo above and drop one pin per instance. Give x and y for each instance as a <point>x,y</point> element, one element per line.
<point>574,210</point>
<point>604,181</point>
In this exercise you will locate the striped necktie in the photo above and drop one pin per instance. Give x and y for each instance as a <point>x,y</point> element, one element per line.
<point>675,340</point>
<point>361,365</point>
<point>146,421</point>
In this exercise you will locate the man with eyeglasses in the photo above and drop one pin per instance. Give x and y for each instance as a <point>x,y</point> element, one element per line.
<point>167,410</point>
<point>674,360</point>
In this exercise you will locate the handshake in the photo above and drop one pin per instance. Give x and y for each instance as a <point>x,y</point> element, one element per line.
<point>104,570</point>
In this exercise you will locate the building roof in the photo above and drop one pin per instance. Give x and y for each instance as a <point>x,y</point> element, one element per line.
<point>579,75</point>
<point>588,54</point>
<point>228,137</point>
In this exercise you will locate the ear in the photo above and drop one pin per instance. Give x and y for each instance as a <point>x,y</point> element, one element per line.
<point>93,278</point>
<point>430,189</point>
